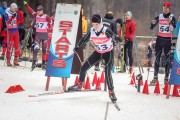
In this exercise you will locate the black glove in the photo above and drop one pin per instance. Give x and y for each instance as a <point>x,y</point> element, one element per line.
<point>126,41</point>
<point>76,48</point>
<point>13,15</point>
<point>115,40</point>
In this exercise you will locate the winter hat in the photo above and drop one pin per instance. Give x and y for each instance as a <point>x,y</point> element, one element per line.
<point>167,4</point>
<point>13,6</point>
<point>4,4</point>
<point>110,12</point>
<point>39,8</point>
<point>96,18</point>
<point>119,20</point>
<point>128,13</point>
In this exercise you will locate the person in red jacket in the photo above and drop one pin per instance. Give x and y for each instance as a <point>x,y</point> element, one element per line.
<point>12,19</point>
<point>42,22</point>
<point>21,29</point>
<point>130,29</point>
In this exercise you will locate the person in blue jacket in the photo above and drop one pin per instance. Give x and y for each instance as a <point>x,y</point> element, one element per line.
<point>2,13</point>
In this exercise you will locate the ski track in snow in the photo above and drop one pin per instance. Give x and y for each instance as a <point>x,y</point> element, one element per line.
<point>80,105</point>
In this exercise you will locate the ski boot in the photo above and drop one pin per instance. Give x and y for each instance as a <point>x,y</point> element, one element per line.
<point>9,62</point>
<point>43,65</point>
<point>33,65</point>
<point>16,61</point>
<point>96,68</point>
<point>112,96</point>
<point>76,87</point>
<point>130,70</point>
<point>153,82</point>
<point>2,57</point>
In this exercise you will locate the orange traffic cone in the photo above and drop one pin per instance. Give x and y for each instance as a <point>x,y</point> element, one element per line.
<point>87,85</point>
<point>76,81</point>
<point>102,77</point>
<point>146,89</point>
<point>175,91</point>
<point>94,79</point>
<point>133,80</point>
<point>98,85</point>
<point>14,89</point>
<point>165,88</point>
<point>157,88</point>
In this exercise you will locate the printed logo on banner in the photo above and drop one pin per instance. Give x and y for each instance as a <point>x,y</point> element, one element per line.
<point>62,45</point>
<point>178,71</point>
<point>75,12</point>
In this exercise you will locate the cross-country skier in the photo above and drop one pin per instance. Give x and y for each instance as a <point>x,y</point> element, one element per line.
<point>12,19</point>
<point>109,22</point>
<point>166,22</point>
<point>42,21</point>
<point>130,29</point>
<point>102,39</point>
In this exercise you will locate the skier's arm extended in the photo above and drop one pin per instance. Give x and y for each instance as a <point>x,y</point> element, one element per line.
<point>84,39</point>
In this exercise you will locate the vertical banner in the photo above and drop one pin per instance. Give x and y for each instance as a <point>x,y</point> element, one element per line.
<point>175,72</point>
<point>63,40</point>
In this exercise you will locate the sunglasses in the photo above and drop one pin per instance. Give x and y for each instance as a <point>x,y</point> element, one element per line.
<point>39,10</point>
<point>165,7</point>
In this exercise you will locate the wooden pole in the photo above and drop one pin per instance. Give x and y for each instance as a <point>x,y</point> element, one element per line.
<point>64,83</point>
<point>47,83</point>
<point>168,92</point>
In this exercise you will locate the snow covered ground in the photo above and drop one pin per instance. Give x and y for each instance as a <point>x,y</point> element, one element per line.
<point>79,105</point>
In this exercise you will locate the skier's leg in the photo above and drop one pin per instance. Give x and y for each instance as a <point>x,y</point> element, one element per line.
<point>130,48</point>
<point>158,51</point>
<point>167,49</point>
<point>91,61</point>
<point>35,51</point>
<point>4,48</point>
<point>16,48</point>
<point>108,58</point>
<point>44,55</point>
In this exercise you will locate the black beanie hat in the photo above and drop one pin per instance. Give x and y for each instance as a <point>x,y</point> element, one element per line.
<point>119,20</point>
<point>96,18</point>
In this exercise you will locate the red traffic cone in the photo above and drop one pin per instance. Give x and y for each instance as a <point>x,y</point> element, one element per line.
<point>94,79</point>
<point>10,89</point>
<point>165,88</point>
<point>102,77</point>
<point>157,88</point>
<point>145,89</point>
<point>132,79</point>
<point>87,85</point>
<point>98,85</point>
<point>76,81</point>
<point>14,89</point>
<point>175,91</point>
